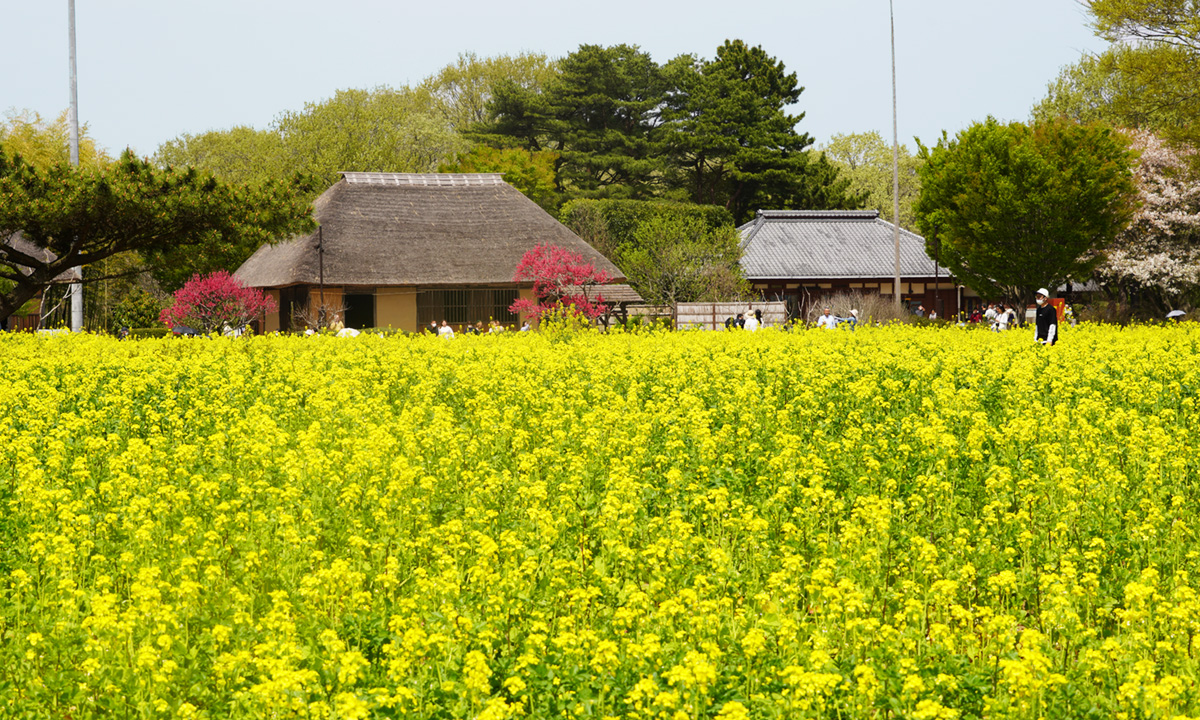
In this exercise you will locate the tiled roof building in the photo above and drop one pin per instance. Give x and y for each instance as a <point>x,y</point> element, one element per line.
<point>805,256</point>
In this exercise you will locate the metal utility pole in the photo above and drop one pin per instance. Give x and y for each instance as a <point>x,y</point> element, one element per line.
<point>76,290</point>
<point>895,161</point>
<point>321,277</point>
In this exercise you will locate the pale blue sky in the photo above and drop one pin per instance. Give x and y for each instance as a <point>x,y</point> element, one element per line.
<point>152,69</point>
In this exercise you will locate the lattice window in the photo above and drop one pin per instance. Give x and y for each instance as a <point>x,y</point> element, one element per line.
<point>466,305</point>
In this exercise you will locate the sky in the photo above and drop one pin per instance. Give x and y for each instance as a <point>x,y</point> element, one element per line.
<point>151,70</point>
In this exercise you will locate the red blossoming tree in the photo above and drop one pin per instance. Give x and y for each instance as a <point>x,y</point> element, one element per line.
<point>210,302</point>
<point>561,279</point>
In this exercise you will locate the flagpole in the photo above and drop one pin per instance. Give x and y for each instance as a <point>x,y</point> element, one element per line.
<point>895,161</point>
<point>76,290</point>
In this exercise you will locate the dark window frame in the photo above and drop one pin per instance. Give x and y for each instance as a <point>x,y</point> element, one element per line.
<point>466,305</point>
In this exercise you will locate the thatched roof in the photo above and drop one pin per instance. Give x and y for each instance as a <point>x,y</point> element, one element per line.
<point>410,229</point>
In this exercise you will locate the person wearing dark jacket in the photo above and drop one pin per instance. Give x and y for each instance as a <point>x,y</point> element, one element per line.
<point>1046,319</point>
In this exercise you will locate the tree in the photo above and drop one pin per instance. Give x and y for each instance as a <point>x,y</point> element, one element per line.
<point>679,259</point>
<point>1010,208</point>
<point>598,114</point>
<point>171,217</point>
<point>211,302</point>
<point>670,252</point>
<point>530,171</point>
<point>733,144</point>
<point>463,90</point>
<point>137,309</point>
<point>610,226</point>
<point>1158,255</point>
<point>865,160</point>
<point>380,130</point>
<point>562,281</point>
<point>1145,79</point>
<point>238,155</point>
<point>43,143</point>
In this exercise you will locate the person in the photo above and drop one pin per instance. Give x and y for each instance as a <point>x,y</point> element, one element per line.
<point>827,321</point>
<point>990,315</point>
<point>729,323</point>
<point>750,324</point>
<point>920,312</point>
<point>933,314</point>
<point>740,322</point>
<point>976,316</point>
<point>1004,316</point>
<point>445,331</point>
<point>525,326</point>
<point>337,325</point>
<point>1045,319</point>
<point>433,327</point>
<point>853,319</point>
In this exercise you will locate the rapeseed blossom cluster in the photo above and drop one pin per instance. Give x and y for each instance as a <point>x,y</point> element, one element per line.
<point>898,522</point>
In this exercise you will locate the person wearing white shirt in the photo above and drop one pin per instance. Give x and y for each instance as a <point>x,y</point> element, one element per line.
<point>991,316</point>
<point>1004,318</point>
<point>752,322</point>
<point>827,321</point>
<point>445,331</point>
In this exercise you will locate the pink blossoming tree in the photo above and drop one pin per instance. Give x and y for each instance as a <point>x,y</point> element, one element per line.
<point>561,280</point>
<point>1159,253</point>
<point>210,302</point>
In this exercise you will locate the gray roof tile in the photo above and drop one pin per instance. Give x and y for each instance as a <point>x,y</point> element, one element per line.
<point>813,244</point>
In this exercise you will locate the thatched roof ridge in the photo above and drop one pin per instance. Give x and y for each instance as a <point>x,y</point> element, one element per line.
<point>416,229</point>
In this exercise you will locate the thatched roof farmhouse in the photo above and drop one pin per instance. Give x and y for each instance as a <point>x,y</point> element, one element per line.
<point>399,250</point>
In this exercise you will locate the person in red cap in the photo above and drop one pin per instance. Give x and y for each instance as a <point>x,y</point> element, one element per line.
<point>1046,320</point>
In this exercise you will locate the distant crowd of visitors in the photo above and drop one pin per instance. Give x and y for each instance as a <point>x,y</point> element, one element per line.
<point>999,317</point>
<point>446,330</point>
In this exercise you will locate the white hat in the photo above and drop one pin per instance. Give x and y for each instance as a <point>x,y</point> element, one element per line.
<point>854,313</point>
<point>1043,291</point>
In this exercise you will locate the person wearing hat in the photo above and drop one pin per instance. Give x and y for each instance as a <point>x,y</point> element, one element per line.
<point>1046,319</point>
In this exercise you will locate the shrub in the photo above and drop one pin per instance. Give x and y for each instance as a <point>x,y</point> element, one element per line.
<point>561,279</point>
<point>209,302</point>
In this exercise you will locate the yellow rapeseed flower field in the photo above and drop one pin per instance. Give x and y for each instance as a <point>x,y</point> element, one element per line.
<point>893,523</point>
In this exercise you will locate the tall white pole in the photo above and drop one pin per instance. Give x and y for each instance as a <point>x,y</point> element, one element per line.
<point>895,161</point>
<point>76,288</point>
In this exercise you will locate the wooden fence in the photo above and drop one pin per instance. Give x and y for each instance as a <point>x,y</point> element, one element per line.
<point>712,316</point>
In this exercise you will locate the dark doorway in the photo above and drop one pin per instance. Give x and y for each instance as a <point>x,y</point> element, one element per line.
<point>360,311</point>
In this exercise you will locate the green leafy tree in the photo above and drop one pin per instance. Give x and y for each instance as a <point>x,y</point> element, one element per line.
<point>530,171</point>
<point>137,309</point>
<point>610,226</point>
<point>675,259</point>
<point>238,155</point>
<point>670,252</point>
<point>462,91</point>
<point>43,143</point>
<point>1145,79</point>
<point>380,130</point>
<point>85,215</point>
<point>865,160</point>
<point>1010,208</point>
<point>598,113</point>
<point>733,143</point>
